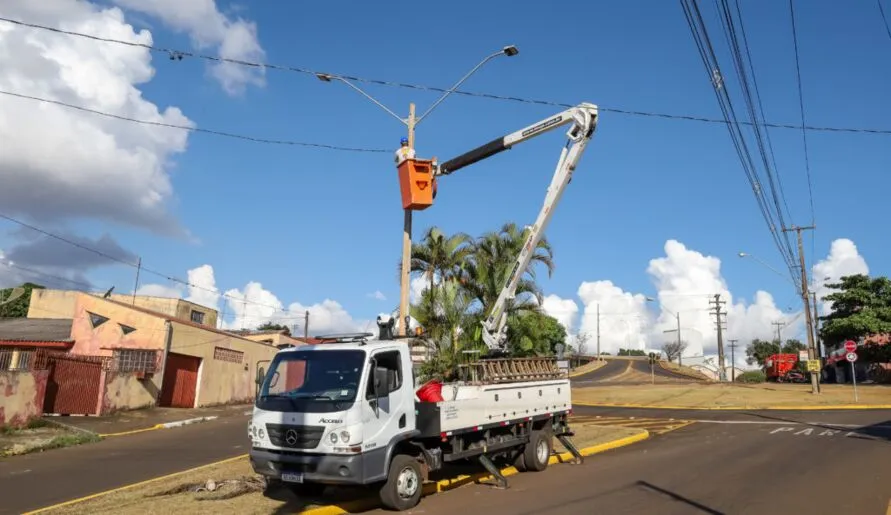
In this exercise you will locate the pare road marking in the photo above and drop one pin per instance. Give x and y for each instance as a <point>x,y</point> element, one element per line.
<point>819,431</point>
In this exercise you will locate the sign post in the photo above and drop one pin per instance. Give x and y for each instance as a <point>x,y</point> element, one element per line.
<point>852,357</point>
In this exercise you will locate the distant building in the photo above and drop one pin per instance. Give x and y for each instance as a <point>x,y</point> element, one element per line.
<point>60,304</point>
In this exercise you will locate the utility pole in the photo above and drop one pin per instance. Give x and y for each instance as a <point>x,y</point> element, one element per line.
<point>598,332</point>
<point>779,326</point>
<point>136,286</point>
<point>817,328</point>
<point>732,360</point>
<point>806,298</point>
<point>718,313</point>
<point>406,240</point>
<point>306,325</point>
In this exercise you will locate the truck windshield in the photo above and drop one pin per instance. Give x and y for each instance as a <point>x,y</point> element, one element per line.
<point>312,381</point>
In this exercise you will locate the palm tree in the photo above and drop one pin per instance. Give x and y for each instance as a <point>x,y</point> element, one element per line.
<point>440,255</point>
<point>492,260</point>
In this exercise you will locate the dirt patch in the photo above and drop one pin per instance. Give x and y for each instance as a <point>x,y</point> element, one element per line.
<point>235,489</point>
<point>40,436</point>
<point>699,395</point>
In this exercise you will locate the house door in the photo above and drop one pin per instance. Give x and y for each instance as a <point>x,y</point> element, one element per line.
<point>180,381</point>
<point>73,385</point>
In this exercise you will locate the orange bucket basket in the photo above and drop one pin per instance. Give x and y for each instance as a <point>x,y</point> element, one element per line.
<point>417,184</point>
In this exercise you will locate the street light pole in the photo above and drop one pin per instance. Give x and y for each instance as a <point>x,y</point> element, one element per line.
<point>411,122</point>
<point>678,317</point>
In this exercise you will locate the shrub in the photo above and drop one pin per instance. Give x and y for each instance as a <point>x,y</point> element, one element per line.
<point>753,376</point>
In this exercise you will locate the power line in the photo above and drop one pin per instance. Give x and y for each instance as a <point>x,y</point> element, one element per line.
<point>807,162</point>
<point>134,265</point>
<point>191,129</point>
<point>709,59</point>
<point>179,54</point>
<point>884,19</point>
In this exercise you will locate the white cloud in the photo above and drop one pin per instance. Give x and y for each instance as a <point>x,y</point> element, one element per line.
<point>254,305</point>
<point>202,288</point>
<point>208,27</point>
<point>685,281</point>
<point>565,310</point>
<point>378,295</point>
<point>843,259</point>
<point>59,164</point>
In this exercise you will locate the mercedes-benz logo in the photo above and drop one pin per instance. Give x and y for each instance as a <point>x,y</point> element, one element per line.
<point>291,437</point>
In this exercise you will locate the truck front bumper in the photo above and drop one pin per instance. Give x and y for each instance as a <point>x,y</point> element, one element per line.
<point>315,468</point>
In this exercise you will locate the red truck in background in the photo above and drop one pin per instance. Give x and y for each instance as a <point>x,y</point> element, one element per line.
<point>780,368</point>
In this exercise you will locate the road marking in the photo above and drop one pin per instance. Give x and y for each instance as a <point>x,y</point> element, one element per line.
<point>656,426</point>
<point>820,431</point>
<point>134,485</point>
<point>787,423</point>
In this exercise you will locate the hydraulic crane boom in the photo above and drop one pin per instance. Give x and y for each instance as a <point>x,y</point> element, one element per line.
<point>583,118</point>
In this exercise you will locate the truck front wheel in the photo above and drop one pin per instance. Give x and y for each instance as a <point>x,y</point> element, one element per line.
<point>402,490</point>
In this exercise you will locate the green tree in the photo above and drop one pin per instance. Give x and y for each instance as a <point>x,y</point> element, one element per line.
<point>440,255</point>
<point>492,261</point>
<point>861,306</point>
<point>19,307</point>
<point>759,350</point>
<point>269,326</point>
<point>534,334</point>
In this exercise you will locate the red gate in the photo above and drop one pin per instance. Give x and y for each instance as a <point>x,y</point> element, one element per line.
<point>74,384</point>
<point>180,381</point>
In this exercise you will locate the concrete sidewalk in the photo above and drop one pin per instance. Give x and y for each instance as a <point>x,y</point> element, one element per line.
<point>127,422</point>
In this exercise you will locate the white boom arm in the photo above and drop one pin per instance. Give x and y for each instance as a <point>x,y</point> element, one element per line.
<point>583,118</point>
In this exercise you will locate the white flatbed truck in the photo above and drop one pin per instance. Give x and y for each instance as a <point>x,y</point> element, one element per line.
<point>347,413</point>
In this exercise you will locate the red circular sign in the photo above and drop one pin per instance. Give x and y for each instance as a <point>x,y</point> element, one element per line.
<point>850,346</point>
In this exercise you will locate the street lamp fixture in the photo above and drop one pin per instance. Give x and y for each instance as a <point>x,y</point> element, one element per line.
<point>677,317</point>
<point>411,122</point>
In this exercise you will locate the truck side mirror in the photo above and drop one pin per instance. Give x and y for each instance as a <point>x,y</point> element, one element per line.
<point>381,383</point>
<point>261,374</point>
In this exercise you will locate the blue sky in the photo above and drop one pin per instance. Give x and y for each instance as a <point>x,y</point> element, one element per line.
<point>312,224</point>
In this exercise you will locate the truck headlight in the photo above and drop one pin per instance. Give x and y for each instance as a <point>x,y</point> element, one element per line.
<point>344,436</point>
<point>333,438</point>
<point>261,434</point>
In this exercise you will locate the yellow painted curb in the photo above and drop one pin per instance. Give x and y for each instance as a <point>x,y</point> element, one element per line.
<point>134,431</point>
<point>455,482</point>
<point>134,485</point>
<point>740,408</point>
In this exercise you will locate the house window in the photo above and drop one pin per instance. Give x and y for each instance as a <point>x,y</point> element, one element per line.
<point>197,317</point>
<point>126,329</point>
<point>96,320</point>
<point>224,354</point>
<point>135,360</point>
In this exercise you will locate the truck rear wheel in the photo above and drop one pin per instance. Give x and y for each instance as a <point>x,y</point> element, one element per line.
<point>402,490</point>
<point>537,453</point>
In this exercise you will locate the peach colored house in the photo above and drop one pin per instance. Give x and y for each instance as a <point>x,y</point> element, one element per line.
<point>157,358</point>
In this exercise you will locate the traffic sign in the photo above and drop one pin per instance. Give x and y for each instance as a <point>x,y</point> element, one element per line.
<point>851,356</point>
<point>813,365</point>
<point>850,346</point>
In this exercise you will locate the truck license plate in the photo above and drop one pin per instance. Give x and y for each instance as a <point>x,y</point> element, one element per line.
<point>291,477</point>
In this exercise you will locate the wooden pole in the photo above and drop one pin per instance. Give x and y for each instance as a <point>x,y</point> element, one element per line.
<point>406,242</point>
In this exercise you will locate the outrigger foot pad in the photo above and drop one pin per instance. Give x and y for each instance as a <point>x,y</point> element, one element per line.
<point>577,458</point>
<point>492,469</point>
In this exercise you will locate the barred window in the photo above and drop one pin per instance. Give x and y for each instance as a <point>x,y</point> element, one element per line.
<point>224,354</point>
<point>197,317</point>
<point>135,360</point>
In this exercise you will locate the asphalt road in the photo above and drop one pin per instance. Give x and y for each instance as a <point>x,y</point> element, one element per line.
<point>34,481</point>
<point>611,369</point>
<point>628,372</point>
<point>726,463</point>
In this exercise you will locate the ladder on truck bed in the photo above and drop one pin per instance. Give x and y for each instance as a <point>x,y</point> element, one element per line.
<point>511,370</point>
